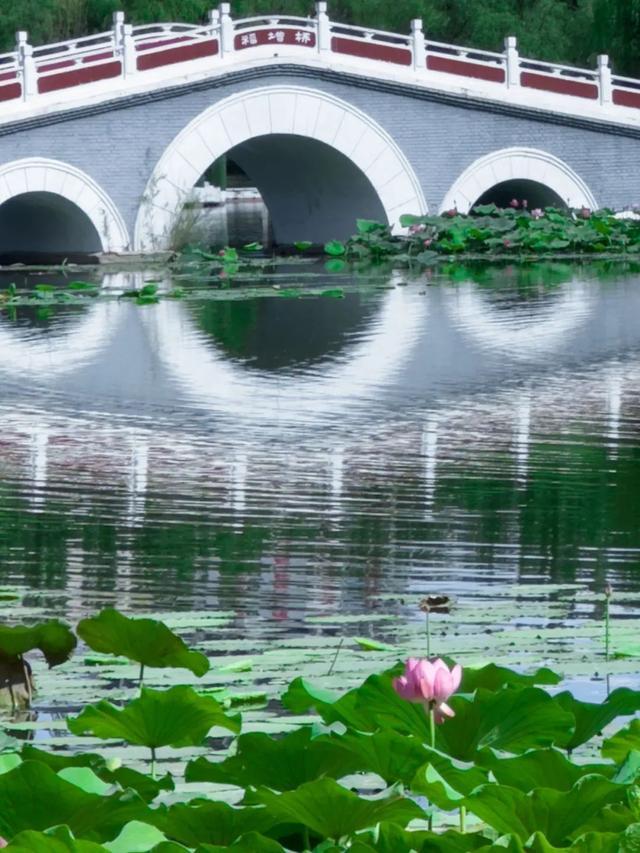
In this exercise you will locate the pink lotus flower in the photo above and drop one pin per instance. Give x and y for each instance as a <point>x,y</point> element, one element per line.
<point>451,213</point>
<point>427,243</point>
<point>4,842</point>
<point>430,683</point>
<point>585,213</point>
<point>514,203</point>
<point>537,213</point>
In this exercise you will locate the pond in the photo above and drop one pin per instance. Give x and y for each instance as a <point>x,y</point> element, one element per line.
<point>295,461</point>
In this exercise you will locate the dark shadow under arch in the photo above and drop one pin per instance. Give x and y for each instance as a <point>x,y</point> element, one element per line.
<point>534,193</point>
<point>45,227</point>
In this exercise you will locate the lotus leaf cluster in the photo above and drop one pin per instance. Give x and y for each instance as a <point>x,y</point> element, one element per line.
<point>518,765</point>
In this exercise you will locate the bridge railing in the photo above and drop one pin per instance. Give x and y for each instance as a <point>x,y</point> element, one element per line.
<point>125,50</point>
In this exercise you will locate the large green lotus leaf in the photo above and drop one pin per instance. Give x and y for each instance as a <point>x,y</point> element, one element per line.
<point>282,764</point>
<point>331,811</point>
<point>58,840</point>
<point>364,708</point>
<point>137,837</point>
<point>510,720</point>
<point>592,842</point>
<point>591,718</point>
<point>125,777</point>
<point>390,838</point>
<point>205,822</point>
<point>175,717</point>
<point>54,639</point>
<point>541,768</point>
<point>630,839</point>
<point>560,816</point>
<point>252,842</point>
<point>614,818</point>
<point>628,773</point>
<point>145,641</point>
<point>622,742</point>
<point>395,757</point>
<point>446,782</point>
<point>33,797</point>
<point>493,677</point>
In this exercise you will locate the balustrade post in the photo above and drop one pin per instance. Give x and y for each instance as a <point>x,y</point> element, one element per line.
<point>604,79</point>
<point>226,29</point>
<point>323,26</point>
<point>512,61</point>
<point>26,65</point>
<point>418,45</point>
<point>124,46</point>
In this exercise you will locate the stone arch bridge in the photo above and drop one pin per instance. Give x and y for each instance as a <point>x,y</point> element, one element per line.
<point>103,138</point>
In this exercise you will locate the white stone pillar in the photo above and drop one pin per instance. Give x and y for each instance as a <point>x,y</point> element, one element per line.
<point>323,26</point>
<point>226,29</point>
<point>418,45</point>
<point>124,45</point>
<point>26,66</point>
<point>512,61</point>
<point>604,79</point>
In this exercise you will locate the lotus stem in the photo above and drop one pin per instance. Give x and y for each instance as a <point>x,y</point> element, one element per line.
<point>141,675</point>
<point>306,839</point>
<point>153,762</point>
<point>463,819</point>
<point>607,599</point>
<point>335,658</point>
<point>432,729</point>
<point>27,680</point>
<point>428,634</point>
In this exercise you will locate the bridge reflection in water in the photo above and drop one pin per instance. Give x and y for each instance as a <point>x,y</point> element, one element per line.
<point>456,436</point>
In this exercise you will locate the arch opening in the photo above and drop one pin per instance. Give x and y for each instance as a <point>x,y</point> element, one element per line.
<point>534,193</point>
<point>45,227</point>
<point>318,161</point>
<point>516,171</point>
<point>304,190</point>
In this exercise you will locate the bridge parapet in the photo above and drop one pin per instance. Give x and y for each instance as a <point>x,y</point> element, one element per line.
<point>126,53</point>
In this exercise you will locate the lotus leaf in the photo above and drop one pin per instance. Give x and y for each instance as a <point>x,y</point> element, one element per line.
<point>623,742</point>
<point>146,641</point>
<point>203,822</point>
<point>33,797</point>
<point>175,717</point>
<point>326,808</point>
<point>281,764</point>
<point>54,639</point>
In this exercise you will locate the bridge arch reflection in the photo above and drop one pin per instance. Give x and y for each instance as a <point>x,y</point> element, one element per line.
<point>208,375</point>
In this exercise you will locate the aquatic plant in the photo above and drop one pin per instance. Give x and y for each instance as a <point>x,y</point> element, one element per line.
<point>365,770</point>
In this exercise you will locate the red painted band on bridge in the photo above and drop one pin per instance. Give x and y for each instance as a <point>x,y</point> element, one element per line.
<point>182,53</point>
<point>372,50</point>
<point>273,38</point>
<point>79,76</point>
<point>560,85</point>
<point>162,42</point>
<point>11,91</point>
<point>465,69</point>
<point>625,98</point>
<point>9,75</point>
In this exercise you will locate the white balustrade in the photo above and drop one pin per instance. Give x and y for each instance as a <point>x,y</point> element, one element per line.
<point>78,61</point>
<point>512,59</point>
<point>605,79</point>
<point>26,65</point>
<point>418,45</point>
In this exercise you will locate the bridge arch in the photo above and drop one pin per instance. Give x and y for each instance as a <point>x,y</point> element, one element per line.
<point>513,166</point>
<point>362,171</point>
<point>67,210</point>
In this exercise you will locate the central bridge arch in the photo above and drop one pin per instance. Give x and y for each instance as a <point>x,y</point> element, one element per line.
<point>318,162</point>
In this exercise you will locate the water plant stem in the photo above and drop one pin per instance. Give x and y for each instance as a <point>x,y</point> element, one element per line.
<point>335,658</point>
<point>306,839</point>
<point>428,634</point>
<point>606,626</point>
<point>463,819</point>
<point>432,730</point>
<point>153,762</point>
<point>141,675</point>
